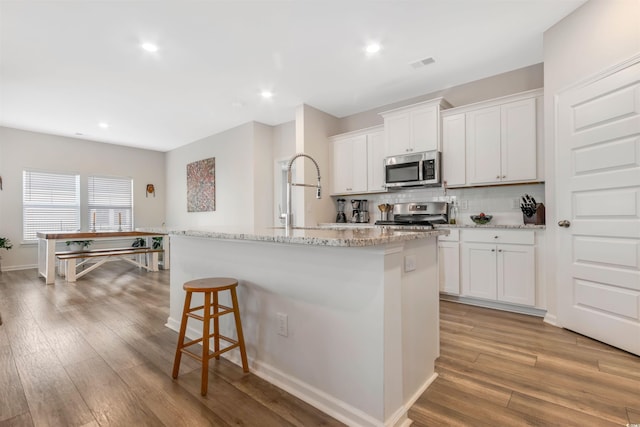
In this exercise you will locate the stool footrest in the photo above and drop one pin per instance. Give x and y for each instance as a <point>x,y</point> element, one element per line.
<point>226,310</point>
<point>198,357</point>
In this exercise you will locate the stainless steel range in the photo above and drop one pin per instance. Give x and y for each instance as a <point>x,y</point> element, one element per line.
<point>422,214</point>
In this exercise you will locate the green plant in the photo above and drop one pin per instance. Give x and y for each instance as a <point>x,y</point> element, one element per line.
<point>82,243</point>
<point>139,242</point>
<point>156,242</point>
<point>5,243</point>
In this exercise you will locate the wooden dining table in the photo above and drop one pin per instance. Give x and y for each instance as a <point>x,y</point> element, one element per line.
<point>47,246</point>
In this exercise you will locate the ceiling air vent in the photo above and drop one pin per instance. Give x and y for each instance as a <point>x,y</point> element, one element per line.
<point>422,62</point>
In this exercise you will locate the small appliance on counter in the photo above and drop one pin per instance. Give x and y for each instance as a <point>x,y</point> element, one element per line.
<point>419,213</point>
<point>360,212</point>
<point>341,217</point>
<point>532,212</point>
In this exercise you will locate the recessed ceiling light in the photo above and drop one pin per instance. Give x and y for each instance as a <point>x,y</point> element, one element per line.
<point>149,47</point>
<point>372,48</point>
<point>266,94</point>
<point>103,125</point>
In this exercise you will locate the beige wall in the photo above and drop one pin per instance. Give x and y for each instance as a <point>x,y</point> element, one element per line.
<point>244,170</point>
<point>491,87</point>
<point>597,36</point>
<point>21,150</point>
<point>313,128</point>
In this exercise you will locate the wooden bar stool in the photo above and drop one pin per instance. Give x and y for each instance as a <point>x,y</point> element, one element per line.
<point>212,310</point>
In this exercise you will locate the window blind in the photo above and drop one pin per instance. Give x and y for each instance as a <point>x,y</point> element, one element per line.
<point>110,203</point>
<point>50,202</point>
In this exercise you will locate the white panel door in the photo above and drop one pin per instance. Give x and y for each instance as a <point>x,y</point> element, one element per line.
<point>359,162</point>
<point>483,138</point>
<point>479,270</point>
<point>598,194</point>
<point>398,130</point>
<point>342,173</point>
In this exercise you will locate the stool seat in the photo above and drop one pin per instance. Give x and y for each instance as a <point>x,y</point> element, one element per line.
<point>210,287</point>
<point>210,284</point>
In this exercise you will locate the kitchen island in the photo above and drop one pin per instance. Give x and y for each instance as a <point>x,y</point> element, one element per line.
<point>345,319</point>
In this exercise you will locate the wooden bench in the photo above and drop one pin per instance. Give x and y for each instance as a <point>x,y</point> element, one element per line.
<point>70,264</point>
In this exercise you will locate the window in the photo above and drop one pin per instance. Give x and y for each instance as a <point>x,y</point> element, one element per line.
<point>50,202</point>
<point>110,203</point>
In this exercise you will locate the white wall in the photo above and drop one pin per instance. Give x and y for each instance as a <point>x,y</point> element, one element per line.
<point>21,150</point>
<point>597,36</point>
<point>244,171</point>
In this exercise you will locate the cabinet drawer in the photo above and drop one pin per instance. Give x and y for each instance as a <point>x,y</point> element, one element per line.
<point>492,235</point>
<point>454,236</point>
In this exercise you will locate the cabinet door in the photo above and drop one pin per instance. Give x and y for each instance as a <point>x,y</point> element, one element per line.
<point>424,129</point>
<point>454,150</point>
<point>375,165</point>
<point>398,130</point>
<point>359,164</point>
<point>449,267</point>
<point>342,172</point>
<point>483,139</point>
<point>518,150</point>
<point>516,274</point>
<point>479,270</point>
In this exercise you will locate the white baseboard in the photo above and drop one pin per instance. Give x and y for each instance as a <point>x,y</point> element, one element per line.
<point>531,311</point>
<point>551,319</point>
<point>19,267</point>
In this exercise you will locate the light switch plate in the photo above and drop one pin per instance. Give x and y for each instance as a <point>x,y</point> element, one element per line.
<point>409,263</point>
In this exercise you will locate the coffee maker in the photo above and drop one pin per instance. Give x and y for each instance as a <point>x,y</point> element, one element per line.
<point>341,216</point>
<point>360,212</point>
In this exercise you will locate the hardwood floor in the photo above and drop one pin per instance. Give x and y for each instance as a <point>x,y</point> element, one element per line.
<point>96,352</point>
<point>506,369</point>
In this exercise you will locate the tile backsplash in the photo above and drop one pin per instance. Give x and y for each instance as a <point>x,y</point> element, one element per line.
<point>503,202</point>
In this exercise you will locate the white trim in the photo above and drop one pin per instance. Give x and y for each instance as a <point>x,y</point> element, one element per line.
<point>597,76</point>
<point>533,93</point>
<point>20,267</point>
<point>551,319</point>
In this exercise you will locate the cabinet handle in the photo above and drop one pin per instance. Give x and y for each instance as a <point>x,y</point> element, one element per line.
<point>495,237</point>
<point>499,250</point>
<point>493,250</point>
<point>497,176</point>
<point>504,176</point>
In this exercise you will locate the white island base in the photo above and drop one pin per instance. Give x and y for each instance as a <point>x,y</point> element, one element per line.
<point>362,332</point>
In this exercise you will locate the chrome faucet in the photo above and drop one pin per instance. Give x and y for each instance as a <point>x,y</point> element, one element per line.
<point>288,216</point>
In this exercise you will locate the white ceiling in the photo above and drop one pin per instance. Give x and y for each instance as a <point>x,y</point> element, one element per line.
<point>65,66</point>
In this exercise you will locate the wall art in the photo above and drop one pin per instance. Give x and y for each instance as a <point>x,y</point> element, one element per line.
<point>201,185</point>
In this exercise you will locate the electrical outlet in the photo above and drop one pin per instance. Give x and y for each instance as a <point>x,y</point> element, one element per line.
<point>283,324</point>
<point>515,203</point>
<point>409,263</point>
<point>464,205</point>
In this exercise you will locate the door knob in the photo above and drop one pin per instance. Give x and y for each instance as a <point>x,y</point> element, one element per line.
<point>564,223</point>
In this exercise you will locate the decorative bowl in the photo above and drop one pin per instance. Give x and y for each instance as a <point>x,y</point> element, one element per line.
<point>481,219</point>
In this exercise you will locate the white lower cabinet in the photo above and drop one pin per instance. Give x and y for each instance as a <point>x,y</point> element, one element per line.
<point>498,265</point>
<point>449,263</point>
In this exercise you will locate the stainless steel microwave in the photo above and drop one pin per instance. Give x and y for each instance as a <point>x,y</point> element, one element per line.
<point>412,170</point>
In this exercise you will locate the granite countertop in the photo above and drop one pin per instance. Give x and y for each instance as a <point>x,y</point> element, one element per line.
<point>339,236</point>
<point>437,226</point>
<point>504,226</point>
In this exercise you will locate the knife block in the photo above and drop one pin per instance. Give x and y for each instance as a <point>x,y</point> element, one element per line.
<point>537,218</point>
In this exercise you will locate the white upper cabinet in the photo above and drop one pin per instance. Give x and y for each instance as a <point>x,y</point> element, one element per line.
<point>358,162</point>
<point>375,164</point>
<point>496,141</point>
<point>350,165</point>
<point>414,128</point>
<point>454,150</point>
